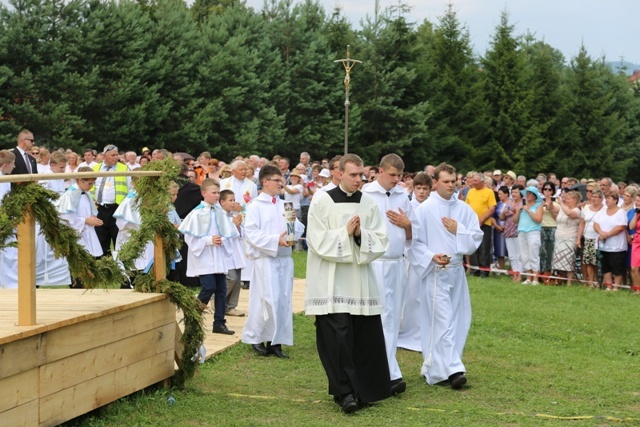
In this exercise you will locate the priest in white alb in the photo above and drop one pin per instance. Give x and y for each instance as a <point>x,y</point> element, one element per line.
<point>448,230</point>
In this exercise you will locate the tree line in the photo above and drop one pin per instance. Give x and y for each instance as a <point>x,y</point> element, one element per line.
<point>222,77</point>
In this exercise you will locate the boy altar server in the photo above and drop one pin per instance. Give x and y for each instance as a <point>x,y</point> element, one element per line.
<point>270,308</point>
<point>51,271</point>
<point>409,336</point>
<point>448,230</point>
<point>78,208</point>
<point>204,230</point>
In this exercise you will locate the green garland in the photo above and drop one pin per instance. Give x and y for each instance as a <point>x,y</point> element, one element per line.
<point>154,203</point>
<point>62,238</point>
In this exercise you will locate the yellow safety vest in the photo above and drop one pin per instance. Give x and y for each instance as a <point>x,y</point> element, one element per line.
<point>120,181</point>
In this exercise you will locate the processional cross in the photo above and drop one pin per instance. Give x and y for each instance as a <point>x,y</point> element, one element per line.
<point>348,64</point>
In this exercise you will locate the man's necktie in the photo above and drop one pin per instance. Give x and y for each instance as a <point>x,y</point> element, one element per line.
<point>103,181</point>
<point>26,160</point>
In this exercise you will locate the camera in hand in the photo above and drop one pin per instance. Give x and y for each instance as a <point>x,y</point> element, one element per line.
<point>637,210</point>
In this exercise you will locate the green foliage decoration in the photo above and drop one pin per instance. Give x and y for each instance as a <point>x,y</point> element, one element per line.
<point>154,203</point>
<point>62,238</point>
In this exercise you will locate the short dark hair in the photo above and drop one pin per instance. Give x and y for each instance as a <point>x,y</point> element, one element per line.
<point>267,171</point>
<point>225,194</point>
<point>422,179</point>
<point>443,167</point>
<point>350,158</point>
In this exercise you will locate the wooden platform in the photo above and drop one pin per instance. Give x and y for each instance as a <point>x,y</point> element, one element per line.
<point>216,343</point>
<point>86,350</point>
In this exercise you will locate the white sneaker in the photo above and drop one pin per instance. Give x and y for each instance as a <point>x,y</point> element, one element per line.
<point>535,283</point>
<point>526,282</point>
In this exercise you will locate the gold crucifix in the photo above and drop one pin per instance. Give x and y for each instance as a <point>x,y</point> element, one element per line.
<point>348,64</point>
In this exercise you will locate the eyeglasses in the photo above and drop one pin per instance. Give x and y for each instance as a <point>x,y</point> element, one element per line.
<point>35,153</point>
<point>589,191</point>
<point>547,189</point>
<point>88,182</point>
<point>275,180</point>
<point>28,139</point>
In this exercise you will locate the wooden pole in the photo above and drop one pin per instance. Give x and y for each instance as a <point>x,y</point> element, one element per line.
<point>26,235</point>
<point>159,259</point>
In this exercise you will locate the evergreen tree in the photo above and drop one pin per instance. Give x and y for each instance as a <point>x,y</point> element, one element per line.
<point>41,88</point>
<point>596,129</point>
<point>392,119</point>
<point>539,148</point>
<point>308,90</point>
<point>511,138</point>
<point>456,126</point>
<point>241,119</point>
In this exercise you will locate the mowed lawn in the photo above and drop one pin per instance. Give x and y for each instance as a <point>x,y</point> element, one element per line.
<point>535,356</point>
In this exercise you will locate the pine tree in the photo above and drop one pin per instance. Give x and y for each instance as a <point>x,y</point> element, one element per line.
<point>456,126</point>
<point>391,118</point>
<point>596,129</point>
<point>508,105</point>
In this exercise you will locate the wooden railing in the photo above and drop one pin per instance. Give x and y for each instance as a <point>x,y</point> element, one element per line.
<point>26,237</point>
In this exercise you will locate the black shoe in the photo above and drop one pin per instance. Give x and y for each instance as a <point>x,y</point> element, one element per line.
<point>484,274</point>
<point>457,380</point>
<point>348,403</point>
<point>222,329</point>
<point>277,351</point>
<point>260,349</point>
<point>398,386</point>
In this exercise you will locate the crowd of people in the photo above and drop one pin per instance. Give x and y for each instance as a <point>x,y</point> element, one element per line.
<point>557,231</point>
<point>383,246</point>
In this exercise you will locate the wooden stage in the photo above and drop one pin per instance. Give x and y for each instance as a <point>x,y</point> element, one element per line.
<point>88,348</point>
<point>216,343</point>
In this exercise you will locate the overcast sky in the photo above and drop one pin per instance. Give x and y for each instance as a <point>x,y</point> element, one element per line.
<point>606,27</point>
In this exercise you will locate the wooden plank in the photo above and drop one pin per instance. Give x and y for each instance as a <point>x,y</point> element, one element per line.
<point>18,390</point>
<point>73,175</point>
<point>159,259</point>
<point>21,416</point>
<point>62,307</point>
<point>178,345</point>
<point>99,361</point>
<point>19,356</point>
<point>84,397</point>
<point>76,338</point>
<point>26,236</point>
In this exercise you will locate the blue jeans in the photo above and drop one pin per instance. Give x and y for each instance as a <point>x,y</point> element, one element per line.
<point>214,285</point>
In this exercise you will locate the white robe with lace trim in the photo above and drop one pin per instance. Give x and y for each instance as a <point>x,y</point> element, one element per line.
<point>340,278</point>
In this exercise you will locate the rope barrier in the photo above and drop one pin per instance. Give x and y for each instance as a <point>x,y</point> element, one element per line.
<point>607,285</point>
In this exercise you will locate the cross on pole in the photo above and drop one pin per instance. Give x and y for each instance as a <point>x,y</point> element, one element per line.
<point>348,64</point>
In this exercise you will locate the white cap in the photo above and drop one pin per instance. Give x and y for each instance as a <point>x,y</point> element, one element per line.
<point>325,173</point>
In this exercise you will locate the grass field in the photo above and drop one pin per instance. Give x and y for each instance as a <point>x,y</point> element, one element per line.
<point>535,356</point>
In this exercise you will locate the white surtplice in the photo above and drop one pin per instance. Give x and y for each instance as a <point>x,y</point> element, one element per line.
<point>391,268</point>
<point>270,306</point>
<point>75,206</point>
<point>444,294</point>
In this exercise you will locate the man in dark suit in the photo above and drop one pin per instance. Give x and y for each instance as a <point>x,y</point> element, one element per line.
<point>25,164</point>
